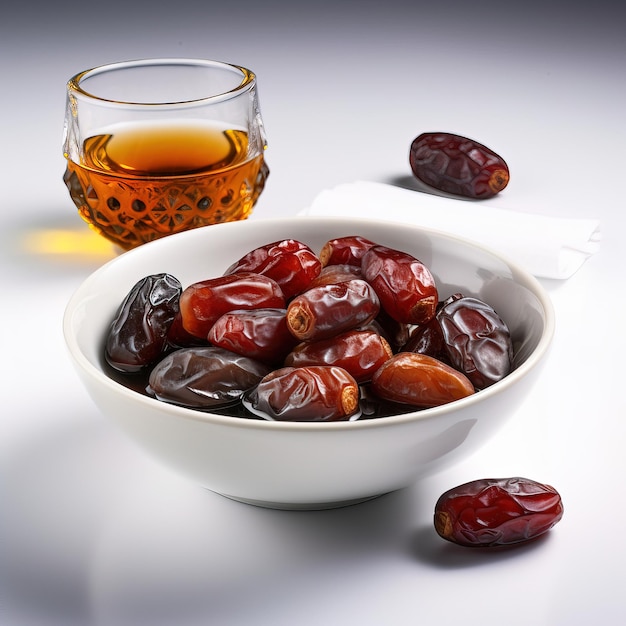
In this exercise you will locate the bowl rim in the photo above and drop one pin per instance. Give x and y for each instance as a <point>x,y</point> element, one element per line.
<point>521,275</point>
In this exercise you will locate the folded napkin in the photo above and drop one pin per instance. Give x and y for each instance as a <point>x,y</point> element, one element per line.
<point>548,247</point>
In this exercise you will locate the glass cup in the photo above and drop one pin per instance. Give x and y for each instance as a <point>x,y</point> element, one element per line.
<point>158,146</point>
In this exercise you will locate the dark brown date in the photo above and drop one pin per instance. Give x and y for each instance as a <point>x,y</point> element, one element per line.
<point>497,512</point>
<point>178,337</point>
<point>396,333</point>
<point>476,339</point>
<point>419,380</point>
<point>138,334</point>
<point>291,263</point>
<point>305,394</point>
<point>202,303</point>
<point>204,377</point>
<point>328,310</point>
<point>345,250</point>
<point>428,339</point>
<point>373,406</point>
<point>359,352</point>
<point>458,165</point>
<point>260,334</point>
<point>404,285</point>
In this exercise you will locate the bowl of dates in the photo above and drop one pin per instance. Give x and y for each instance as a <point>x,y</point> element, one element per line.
<point>309,362</point>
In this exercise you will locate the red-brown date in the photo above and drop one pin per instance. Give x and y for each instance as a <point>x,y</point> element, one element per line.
<point>328,310</point>
<point>291,263</point>
<point>419,380</point>
<point>317,393</point>
<point>334,274</point>
<point>359,352</point>
<point>204,377</point>
<point>458,165</point>
<point>347,250</point>
<point>497,512</point>
<point>404,285</point>
<point>477,341</point>
<point>202,303</point>
<point>138,334</point>
<point>260,334</point>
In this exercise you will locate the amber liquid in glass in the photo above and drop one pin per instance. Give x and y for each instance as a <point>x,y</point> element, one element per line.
<point>138,183</point>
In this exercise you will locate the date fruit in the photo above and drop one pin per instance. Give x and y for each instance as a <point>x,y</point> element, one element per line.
<point>458,165</point>
<point>291,263</point>
<point>324,311</point>
<point>428,339</point>
<point>345,250</point>
<point>178,337</point>
<point>260,334</point>
<point>354,333</point>
<point>396,333</point>
<point>477,341</point>
<point>419,380</point>
<point>333,274</point>
<point>202,303</point>
<point>204,377</point>
<point>497,512</point>
<point>138,333</point>
<point>359,352</point>
<point>319,393</point>
<point>404,285</point>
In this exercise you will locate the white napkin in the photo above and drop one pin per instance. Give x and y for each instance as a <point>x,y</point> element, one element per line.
<point>548,247</point>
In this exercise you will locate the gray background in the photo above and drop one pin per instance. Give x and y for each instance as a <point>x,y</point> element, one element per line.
<point>95,533</point>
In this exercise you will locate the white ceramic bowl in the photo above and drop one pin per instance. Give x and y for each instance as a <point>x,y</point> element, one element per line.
<point>310,465</point>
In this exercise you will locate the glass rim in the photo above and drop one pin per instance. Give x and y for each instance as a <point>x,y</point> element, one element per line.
<point>247,82</point>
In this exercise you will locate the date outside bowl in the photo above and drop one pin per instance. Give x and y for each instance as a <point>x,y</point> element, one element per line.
<point>310,465</point>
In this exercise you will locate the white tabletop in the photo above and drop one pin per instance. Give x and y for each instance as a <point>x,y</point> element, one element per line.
<point>96,533</point>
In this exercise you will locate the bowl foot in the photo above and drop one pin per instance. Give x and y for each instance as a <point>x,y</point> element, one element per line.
<point>301,506</point>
